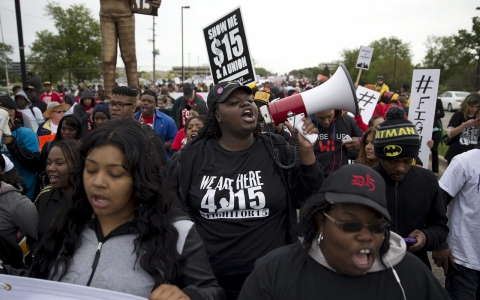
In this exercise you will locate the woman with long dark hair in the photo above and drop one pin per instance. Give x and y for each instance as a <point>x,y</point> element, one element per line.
<point>121,229</point>
<point>64,154</point>
<point>366,154</point>
<point>70,127</point>
<point>347,250</point>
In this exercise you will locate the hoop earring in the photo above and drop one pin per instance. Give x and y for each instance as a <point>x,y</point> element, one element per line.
<point>320,238</point>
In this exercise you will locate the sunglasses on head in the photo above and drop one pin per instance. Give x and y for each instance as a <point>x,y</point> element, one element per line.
<point>377,228</point>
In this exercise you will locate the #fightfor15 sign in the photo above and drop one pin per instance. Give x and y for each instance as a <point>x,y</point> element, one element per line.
<point>228,50</point>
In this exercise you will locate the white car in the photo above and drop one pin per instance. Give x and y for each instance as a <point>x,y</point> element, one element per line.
<point>451,100</point>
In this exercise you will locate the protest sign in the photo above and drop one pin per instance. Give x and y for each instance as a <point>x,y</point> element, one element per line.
<point>227,49</point>
<point>16,287</point>
<point>364,58</point>
<point>143,7</point>
<point>423,100</point>
<point>367,100</point>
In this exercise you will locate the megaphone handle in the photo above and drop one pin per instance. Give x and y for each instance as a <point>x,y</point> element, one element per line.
<point>297,123</point>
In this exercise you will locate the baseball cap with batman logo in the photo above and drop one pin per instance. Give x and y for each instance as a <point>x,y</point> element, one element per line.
<point>396,137</point>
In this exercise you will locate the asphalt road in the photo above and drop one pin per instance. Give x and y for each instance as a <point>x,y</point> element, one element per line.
<point>446,119</point>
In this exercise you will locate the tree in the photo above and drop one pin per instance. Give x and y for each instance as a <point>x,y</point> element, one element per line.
<point>5,51</point>
<point>262,72</point>
<point>444,54</point>
<point>75,49</point>
<point>326,71</point>
<point>470,41</point>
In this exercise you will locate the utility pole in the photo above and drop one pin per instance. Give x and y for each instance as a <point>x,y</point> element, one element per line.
<point>21,46</point>
<point>395,67</point>
<point>154,51</point>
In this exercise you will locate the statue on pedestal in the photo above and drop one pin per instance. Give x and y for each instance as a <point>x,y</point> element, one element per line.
<point>117,23</point>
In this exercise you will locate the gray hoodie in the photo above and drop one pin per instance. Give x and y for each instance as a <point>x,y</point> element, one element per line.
<point>32,116</point>
<point>16,212</point>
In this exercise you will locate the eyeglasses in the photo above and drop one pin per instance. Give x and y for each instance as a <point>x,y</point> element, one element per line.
<point>376,228</point>
<point>59,111</point>
<point>118,105</point>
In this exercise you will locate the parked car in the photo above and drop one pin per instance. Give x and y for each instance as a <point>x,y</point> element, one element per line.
<point>452,99</point>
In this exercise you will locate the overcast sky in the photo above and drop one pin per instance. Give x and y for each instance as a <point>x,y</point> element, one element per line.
<point>282,35</point>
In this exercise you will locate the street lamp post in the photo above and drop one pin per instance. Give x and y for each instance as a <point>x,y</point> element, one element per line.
<point>183,69</point>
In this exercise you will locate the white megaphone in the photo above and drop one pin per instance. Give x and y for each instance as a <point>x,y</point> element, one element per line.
<point>337,93</point>
<point>4,118</point>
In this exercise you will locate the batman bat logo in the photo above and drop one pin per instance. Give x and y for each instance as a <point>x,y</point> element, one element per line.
<point>392,150</point>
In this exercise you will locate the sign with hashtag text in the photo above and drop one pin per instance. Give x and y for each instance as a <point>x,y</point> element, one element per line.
<point>423,100</point>
<point>367,100</point>
<point>227,49</point>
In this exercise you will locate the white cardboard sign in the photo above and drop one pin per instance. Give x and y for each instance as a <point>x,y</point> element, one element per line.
<point>15,288</point>
<point>423,100</point>
<point>364,57</point>
<point>367,100</point>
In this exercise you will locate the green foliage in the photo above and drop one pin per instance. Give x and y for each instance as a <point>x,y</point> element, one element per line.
<point>76,48</point>
<point>309,73</point>
<point>262,72</point>
<point>5,51</point>
<point>326,71</point>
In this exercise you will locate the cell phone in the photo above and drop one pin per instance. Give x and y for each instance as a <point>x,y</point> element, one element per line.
<point>346,138</point>
<point>410,241</point>
<point>477,119</point>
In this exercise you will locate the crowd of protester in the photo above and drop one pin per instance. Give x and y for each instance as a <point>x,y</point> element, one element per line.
<point>194,198</point>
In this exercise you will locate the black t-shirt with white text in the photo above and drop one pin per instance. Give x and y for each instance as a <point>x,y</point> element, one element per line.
<point>466,140</point>
<point>328,148</point>
<point>238,202</point>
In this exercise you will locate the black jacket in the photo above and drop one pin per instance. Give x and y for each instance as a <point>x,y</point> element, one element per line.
<point>80,111</point>
<point>416,203</point>
<point>439,114</point>
<point>290,273</point>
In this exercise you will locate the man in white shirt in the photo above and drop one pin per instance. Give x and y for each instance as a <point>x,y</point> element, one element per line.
<point>461,186</point>
<point>32,116</point>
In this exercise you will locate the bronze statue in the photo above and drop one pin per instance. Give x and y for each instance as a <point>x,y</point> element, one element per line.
<point>117,23</point>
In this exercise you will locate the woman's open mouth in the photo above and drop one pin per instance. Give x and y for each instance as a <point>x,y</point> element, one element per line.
<point>248,115</point>
<point>363,259</point>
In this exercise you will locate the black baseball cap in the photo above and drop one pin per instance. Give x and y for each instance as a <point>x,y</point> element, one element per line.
<point>222,90</point>
<point>356,184</point>
<point>7,102</point>
<point>200,108</point>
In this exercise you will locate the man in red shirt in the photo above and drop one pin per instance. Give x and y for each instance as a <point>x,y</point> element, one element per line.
<point>49,96</point>
<point>61,91</point>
